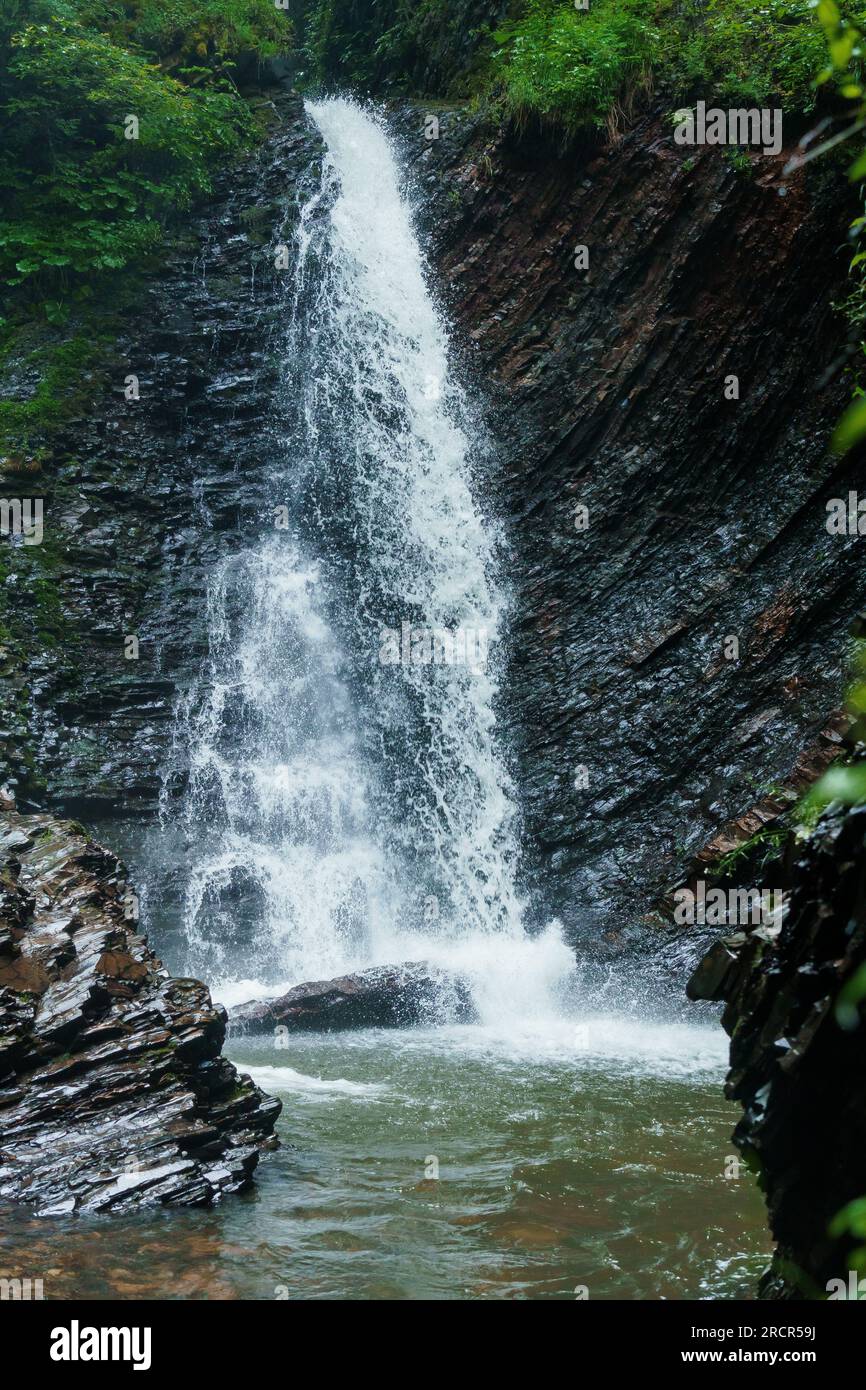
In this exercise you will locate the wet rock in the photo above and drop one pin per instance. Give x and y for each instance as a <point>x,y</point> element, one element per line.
<point>393,996</point>
<point>113,1092</point>
<point>705,516</point>
<point>710,978</point>
<point>797,1019</point>
<point>134,494</point>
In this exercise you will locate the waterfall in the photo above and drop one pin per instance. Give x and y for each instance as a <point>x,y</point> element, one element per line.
<point>348,792</point>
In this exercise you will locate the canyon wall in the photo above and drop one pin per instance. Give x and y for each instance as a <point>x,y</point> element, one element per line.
<point>140,494</point>
<point>705,515</point>
<point>635,737</point>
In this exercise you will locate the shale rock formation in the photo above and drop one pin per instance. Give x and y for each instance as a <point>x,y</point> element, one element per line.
<point>705,515</point>
<point>798,1055</point>
<point>635,738</point>
<point>113,1093</point>
<point>141,496</point>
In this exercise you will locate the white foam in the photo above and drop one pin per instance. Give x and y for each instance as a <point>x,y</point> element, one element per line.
<point>287,1079</point>
<point>233,992</point>
<point>411,455</point>
<point>288,750</point>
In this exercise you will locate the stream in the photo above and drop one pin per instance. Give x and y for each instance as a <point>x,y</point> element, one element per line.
<point>570,1165</point>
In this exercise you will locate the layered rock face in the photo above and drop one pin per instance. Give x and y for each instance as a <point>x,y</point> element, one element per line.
<point>705,516</point>
<point>798,1055</point>
<point>113,1092</point>
<point>636,734</point>
<point>141,497</point>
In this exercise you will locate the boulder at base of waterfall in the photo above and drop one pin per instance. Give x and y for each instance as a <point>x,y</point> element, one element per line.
<point>113,1090</point>
<point>388,996</point>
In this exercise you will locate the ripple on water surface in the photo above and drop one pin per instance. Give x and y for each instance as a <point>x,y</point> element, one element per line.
<point>565,1160</point>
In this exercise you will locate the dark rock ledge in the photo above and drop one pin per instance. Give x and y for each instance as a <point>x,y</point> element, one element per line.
<point>113,1093</point>
<point>387,996</point>
<point>798,1055</point>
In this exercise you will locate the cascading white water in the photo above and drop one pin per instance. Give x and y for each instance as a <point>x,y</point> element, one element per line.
<point>272,754</point>
<point>347,783</point>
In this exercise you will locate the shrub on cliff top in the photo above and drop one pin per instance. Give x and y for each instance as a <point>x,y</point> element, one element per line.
<point>755,55</point>
<point>571,67</point>
<point>197,37</point>
<point>574,67</point>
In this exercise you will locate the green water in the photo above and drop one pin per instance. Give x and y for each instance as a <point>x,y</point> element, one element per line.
<point>562,1167</point>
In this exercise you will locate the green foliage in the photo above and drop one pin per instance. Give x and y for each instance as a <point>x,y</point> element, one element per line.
<point>754,55</point>
<point>843,31</point>
<point>568,67</point>
<point>79,198</point>
<point>429,46</point>
<point>851,1220</point>
<point>754,853</point>
<point>341,41</point>
<point>850,996</point>
<point>208,34</point>
<point>844,782</point>
<point>67,372</point>
<point>574,66</point>
<point>852,427</point>
<point>738,159</point>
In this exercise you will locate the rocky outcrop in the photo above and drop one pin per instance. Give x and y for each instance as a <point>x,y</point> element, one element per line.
<point>394,996</point>
<point>705,516</point>
<point>795,1013</point>
<point>113,1092</point>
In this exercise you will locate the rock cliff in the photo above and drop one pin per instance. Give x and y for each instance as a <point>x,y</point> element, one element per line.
<point>798,1055</point>
<point>705,516</point>
<point>651,519</point>
<point>139,495</point>
<point>113,1092</point>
